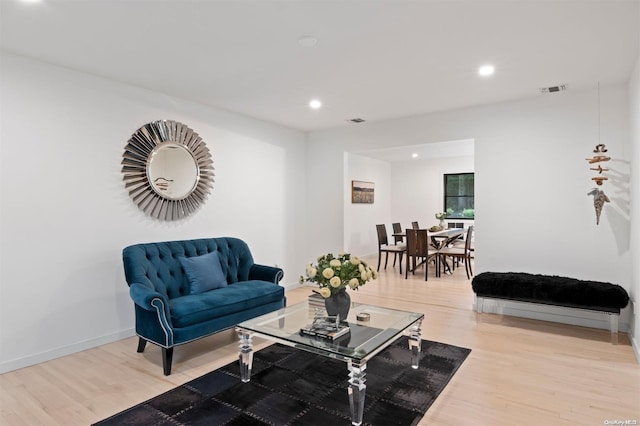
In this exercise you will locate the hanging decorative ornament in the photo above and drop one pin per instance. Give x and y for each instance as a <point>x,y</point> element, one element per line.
<point>599,198</point>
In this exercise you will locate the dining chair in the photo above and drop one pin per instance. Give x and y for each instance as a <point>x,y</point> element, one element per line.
<point>419,252</point>
<point>398,236</point>
<point>415,225</point>
<point>397,229</point>
<point>460,253</point>
<point>386,248</point>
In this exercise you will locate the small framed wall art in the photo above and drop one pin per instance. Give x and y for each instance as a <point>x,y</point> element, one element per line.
<point>362,192</point>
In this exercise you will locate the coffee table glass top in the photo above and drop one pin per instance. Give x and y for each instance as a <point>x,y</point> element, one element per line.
<point>364,341</point>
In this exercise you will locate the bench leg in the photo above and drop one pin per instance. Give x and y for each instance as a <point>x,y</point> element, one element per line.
<point>613,327</point>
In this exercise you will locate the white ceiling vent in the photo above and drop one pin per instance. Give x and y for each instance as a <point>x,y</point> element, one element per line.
<point>553,89</point>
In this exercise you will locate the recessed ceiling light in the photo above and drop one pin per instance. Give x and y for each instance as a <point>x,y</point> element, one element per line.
<point>315,104</point>
<point>486,70</point>
<point>307,41</point>
<point>414,155</point>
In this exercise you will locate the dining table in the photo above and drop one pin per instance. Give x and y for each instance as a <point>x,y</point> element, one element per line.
<point>442,239</point>
<point>445,237</point>
<point>439,240</point>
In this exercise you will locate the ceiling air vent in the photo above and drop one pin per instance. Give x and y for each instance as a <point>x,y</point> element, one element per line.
<point>553,89</point>
<point>357,120</point>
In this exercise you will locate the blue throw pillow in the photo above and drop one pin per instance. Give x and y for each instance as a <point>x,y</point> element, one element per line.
<point>204,272</point>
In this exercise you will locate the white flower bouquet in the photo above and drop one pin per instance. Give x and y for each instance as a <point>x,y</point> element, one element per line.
<point>334,274</point>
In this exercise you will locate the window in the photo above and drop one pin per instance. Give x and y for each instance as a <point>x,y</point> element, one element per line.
<point>458,196</point>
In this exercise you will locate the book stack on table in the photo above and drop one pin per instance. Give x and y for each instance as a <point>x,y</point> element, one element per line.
<point>316,301</point>
<point>326,328</point>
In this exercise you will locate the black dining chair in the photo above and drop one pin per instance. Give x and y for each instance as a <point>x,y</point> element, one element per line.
<point>397,229</point>
<point>415,225</point>
<point>386,248</point>
<point>419,252</point>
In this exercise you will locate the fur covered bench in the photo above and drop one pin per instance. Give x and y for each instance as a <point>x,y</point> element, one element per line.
<point>552,290</point>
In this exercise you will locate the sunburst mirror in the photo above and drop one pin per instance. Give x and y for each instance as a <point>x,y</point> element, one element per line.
<point>167,169</point>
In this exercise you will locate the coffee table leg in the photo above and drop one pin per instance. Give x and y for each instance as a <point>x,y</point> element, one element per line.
<point>415,343</point>
<point>357,390</point>
<point>245,355</point>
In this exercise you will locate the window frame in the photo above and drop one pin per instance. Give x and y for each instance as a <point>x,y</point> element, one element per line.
<point>445,196</point>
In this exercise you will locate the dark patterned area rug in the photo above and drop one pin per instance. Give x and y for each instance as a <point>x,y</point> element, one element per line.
<point>292,387</point>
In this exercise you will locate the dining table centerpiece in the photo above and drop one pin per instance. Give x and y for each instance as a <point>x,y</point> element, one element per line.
<point>441,216</point>
<point>333,275</point>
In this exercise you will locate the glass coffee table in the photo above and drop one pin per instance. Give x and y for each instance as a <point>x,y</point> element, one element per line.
<point>365,340</point>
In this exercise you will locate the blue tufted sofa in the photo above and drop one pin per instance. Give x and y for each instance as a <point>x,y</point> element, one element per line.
<point>167,314</point>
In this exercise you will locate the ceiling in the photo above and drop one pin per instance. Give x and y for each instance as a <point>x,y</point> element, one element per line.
<point>457,148</point>
<point>374,60</point>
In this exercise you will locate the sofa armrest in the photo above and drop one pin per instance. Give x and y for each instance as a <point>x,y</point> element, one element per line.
<point>153,321</point>
<point>144,296</point>
<point>266,273</point>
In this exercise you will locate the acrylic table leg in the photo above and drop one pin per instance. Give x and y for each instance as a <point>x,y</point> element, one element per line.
<point>245,355</point>
<point>357,390</point>
<point>415,343</point>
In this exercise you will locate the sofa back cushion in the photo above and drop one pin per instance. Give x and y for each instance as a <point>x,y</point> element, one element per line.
<point>157,264</point>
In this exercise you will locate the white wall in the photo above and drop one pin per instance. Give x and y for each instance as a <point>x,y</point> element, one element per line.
<point>65,215</point>
<point>360,237</point>
<point>531,180</point>
<point>404,192</point>
<point>417,189</point>
<point>634,114</point>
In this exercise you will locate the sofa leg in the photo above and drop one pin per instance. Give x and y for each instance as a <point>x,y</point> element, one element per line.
<point>141,344</point>
<point>167,357</point>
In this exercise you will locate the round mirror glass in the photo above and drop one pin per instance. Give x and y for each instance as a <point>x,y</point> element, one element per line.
<point>172,171</point>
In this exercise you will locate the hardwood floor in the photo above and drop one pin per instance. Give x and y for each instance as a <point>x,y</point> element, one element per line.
<point>520,371</point>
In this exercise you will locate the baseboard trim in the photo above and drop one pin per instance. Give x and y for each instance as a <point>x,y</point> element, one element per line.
<point>636,347</point>
<point>290,286</point>
<point>30,360</point>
